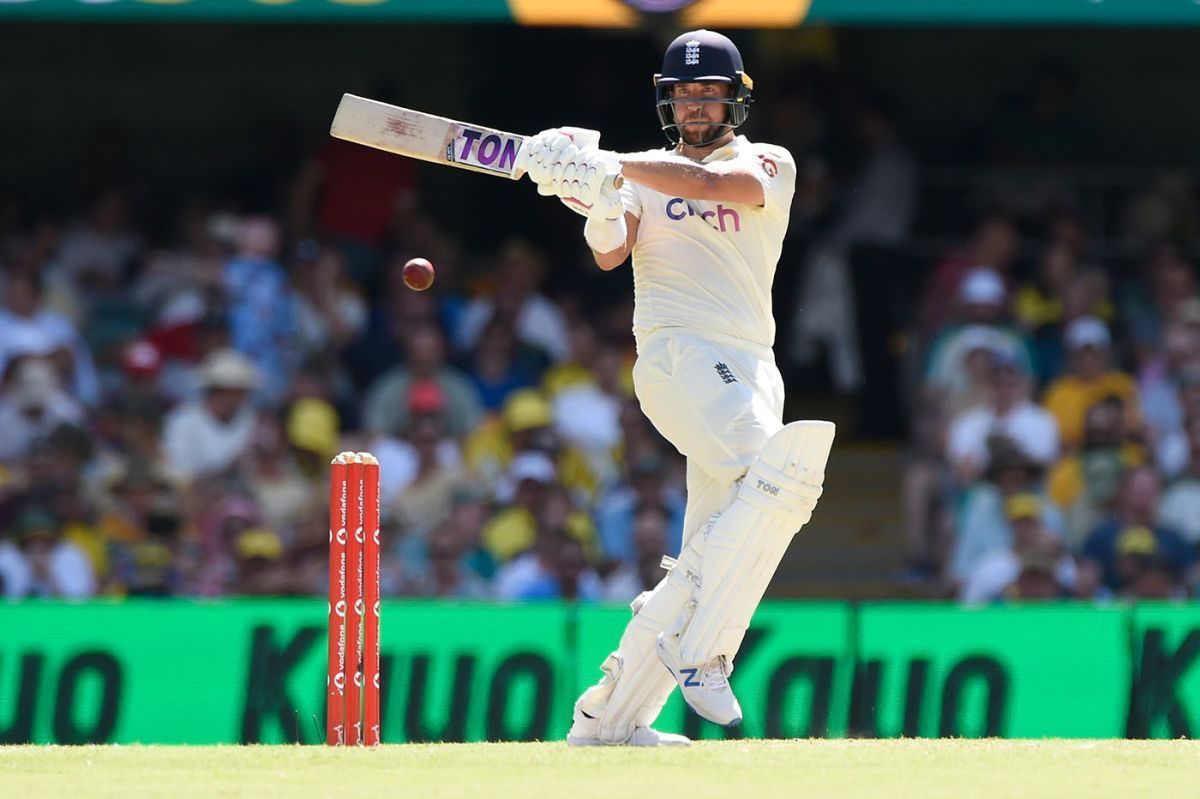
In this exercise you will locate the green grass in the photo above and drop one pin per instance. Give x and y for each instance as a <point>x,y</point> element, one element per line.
<point>927,769</point>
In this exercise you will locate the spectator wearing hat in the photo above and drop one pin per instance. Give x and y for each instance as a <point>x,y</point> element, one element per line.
<point>512,529</point>
<point>141,363</point>
<point>526,423</point>
<point>1084,483</point>
<point>1039,577</point>
<point>419,450</point>
<point>1109,560</point>
<point>210,434</point>
<point>554,563</point>
<point>1090,379</point>
<point>184,347</point>
<point>983,522</point>
<point>151,565</point>
<point>385,406</point>
<point>261,567</point>
<point>1031,547</point>
<point>30,330</point>
<point>531,481</point>
<point>1008,412</point>
<point>129,494</point>
<point>32,404</point>
<point>1038,303</point>
<point>995,243</point>
<point>1062,293</point>
<point>958,378</point>
<point>312,428</point>
<point>958,358</point>
<point>224,512</point>
<point>36,561</point>
<point>424,466</point>
<point>1145,570</point>
<point>583,347</point>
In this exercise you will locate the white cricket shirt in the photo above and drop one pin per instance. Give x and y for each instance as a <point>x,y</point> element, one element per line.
<point>708,266</point>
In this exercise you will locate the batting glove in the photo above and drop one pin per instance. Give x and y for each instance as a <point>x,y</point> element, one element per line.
<point>580,176</point>
<point>608,204</point>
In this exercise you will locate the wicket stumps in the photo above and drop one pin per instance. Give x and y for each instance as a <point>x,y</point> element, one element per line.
<point>352,680</point>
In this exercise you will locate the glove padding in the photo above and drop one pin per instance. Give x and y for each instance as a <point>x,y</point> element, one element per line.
<point>579,175</point>
<point>566,163</point>
<point>608,204</point>
<point>542,153</point>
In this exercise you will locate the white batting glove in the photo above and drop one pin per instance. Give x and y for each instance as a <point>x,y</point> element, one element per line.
<point>542,153</point>
<point>580,176</point>
<point>608,205</point>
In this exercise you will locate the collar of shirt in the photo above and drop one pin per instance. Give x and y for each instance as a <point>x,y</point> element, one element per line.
<point>728,151</point>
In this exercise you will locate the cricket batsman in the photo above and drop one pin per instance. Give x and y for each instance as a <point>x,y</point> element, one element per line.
<point>704,221</point>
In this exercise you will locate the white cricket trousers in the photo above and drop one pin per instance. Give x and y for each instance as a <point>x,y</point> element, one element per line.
<point>718,400</point>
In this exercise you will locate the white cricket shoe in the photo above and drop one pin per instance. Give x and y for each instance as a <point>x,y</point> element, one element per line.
<point>705,686</point>
<point>585,732</point>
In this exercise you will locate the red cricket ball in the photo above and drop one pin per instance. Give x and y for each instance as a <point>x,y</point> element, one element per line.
<point>418,274</point>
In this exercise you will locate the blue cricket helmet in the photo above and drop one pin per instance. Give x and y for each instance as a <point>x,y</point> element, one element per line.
<point>702,56</point>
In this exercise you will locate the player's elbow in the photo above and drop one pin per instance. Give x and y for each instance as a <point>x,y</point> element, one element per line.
<point>730,187</point>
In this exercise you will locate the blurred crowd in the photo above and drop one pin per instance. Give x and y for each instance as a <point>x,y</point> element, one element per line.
<point>170,406</point>
<point>169,414</point>
<point>1056,421</point>
<point>1043,329</point>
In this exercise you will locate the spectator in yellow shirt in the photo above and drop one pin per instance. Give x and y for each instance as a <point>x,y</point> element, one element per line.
<point>1090,379</point>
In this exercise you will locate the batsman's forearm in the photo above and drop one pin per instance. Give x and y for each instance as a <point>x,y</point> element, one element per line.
<point>669,174</point>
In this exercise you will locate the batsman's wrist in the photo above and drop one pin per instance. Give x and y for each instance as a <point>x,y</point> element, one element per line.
<point>605,235</point>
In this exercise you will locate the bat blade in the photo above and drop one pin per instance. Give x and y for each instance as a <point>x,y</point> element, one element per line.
<point>428,137</point>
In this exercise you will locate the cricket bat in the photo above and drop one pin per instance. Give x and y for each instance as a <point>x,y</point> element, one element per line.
<point>428,137</point>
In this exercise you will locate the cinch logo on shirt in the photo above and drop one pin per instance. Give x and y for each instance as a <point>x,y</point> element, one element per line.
<point>677,208</point>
